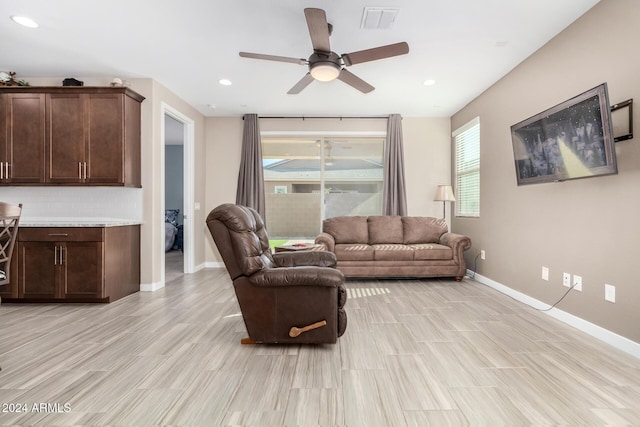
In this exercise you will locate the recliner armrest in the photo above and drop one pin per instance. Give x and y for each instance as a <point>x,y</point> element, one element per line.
<point>297,276</point>
<point>302,258</point>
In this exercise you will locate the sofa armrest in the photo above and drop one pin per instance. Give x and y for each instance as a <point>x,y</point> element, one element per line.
<point>297,276</point>
<point>327,240</point>
<point>458,244</point>
<point>302,258</point>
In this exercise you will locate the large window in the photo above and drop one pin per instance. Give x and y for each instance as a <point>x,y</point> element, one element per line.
<point>467,166</point>
<point>309,179</point>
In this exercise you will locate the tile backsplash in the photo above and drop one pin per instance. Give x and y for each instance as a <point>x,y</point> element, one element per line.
<point>86,202</point>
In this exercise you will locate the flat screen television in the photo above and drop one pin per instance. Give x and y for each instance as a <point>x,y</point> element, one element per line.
<point>572,140</point>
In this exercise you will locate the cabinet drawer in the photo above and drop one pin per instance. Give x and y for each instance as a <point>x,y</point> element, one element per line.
<point>60,234</point>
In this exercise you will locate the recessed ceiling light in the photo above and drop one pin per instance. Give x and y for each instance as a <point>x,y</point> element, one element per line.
<point>23,20</point>
<point>429,82</point>
<point>225,82</point>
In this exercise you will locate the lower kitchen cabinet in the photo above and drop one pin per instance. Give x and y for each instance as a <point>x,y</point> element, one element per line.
<point>75,264</point>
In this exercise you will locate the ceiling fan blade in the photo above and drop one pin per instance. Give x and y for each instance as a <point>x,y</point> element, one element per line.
<point>375,53</point>
<point>318,29</point>
<point>304,82</point>
<point>355,81</point>
<point>299,61</point>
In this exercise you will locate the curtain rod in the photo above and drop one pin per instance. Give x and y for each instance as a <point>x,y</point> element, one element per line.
<point>322,117</point>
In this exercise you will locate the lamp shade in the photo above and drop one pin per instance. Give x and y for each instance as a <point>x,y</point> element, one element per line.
<point>444,193</point>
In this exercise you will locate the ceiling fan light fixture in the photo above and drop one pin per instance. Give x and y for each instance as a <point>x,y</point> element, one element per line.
<point>325,71</point>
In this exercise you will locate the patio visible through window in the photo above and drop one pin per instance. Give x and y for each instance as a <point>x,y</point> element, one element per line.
<point>309,179</point>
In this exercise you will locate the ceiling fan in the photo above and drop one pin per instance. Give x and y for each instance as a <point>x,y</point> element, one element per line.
<point>324,64</point>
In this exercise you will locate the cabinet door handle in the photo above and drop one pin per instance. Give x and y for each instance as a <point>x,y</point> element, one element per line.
<point>79,170</point>
<point>85,170</point>
<point>61,255</point>
<point>55,255</point>
<point>1,171</point>
<point>59,234</point>
<point>6,172</point>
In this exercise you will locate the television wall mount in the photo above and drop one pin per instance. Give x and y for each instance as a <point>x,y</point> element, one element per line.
<point>622,120</point>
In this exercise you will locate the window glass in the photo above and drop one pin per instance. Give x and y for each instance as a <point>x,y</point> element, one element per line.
<point>467,167</point>
<point>309,179</point>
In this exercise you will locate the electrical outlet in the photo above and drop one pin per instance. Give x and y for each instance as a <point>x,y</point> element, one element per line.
<point>545,273</point>
<point>577,282</point>
<point>483,254</point>
<point>610,293</point>
<point>566,280</point>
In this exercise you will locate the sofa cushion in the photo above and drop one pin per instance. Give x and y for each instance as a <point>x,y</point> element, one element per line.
<point>422,229</point>
<point>354,252</point>
<point>385,229</point>
<point>392,252</point>
<point>347,229</point>
<point>429,251</point>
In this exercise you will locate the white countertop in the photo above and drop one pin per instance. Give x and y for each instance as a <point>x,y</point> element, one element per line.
<point>76,222</point>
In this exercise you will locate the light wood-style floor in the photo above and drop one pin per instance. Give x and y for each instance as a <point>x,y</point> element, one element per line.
<point>173,265</point>
<point>416,353</point>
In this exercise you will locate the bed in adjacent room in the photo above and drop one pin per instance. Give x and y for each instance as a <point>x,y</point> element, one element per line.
<point>170,228</point>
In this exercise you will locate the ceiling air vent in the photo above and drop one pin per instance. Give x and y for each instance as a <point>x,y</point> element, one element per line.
<point>379,18</point>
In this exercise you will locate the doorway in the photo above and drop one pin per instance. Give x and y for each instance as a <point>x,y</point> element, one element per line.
<point>178,194</point>
<point>173,197</point>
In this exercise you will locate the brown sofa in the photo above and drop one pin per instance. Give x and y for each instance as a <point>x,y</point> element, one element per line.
<point>394,246</point>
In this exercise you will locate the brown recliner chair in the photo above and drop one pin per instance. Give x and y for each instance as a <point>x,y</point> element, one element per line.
<point>286,297</point>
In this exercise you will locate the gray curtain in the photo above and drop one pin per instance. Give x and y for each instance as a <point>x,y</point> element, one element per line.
<point>250,178</point>
<point>394,197</point>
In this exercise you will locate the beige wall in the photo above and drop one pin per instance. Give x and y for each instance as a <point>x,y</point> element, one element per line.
<point>426,144</point>
<point>427,149</point>
<point>223,144</point>
<point>152,232</point>
<point>589,227</point>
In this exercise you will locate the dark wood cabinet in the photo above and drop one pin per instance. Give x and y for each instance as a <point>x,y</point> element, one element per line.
<point>74,264</point>
<point>38,278</point>
<point>72,136</point>
<point>22,138</point>
<point>66,138</point>
<point>81,270</point>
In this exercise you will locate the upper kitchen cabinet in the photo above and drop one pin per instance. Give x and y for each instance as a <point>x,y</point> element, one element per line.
<point>22,138</point>
<point>90,136</point>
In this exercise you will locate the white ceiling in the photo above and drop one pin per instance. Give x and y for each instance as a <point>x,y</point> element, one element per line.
<point>188,45</point>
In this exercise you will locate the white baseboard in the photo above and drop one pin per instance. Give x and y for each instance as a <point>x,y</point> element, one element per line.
<point>611,338</point>
<point>200,267</point>
<point>151,287</point>
<point>214,264</point>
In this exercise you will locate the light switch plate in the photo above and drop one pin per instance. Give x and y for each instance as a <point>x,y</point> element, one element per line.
<point>545,273</point>
<point>577,282</point>
<point>610,293</point>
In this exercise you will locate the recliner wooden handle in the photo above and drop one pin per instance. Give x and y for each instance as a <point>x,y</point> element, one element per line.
<point>295,331</point>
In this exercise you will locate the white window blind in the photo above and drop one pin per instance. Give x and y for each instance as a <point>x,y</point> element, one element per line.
<point>467,166</point>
